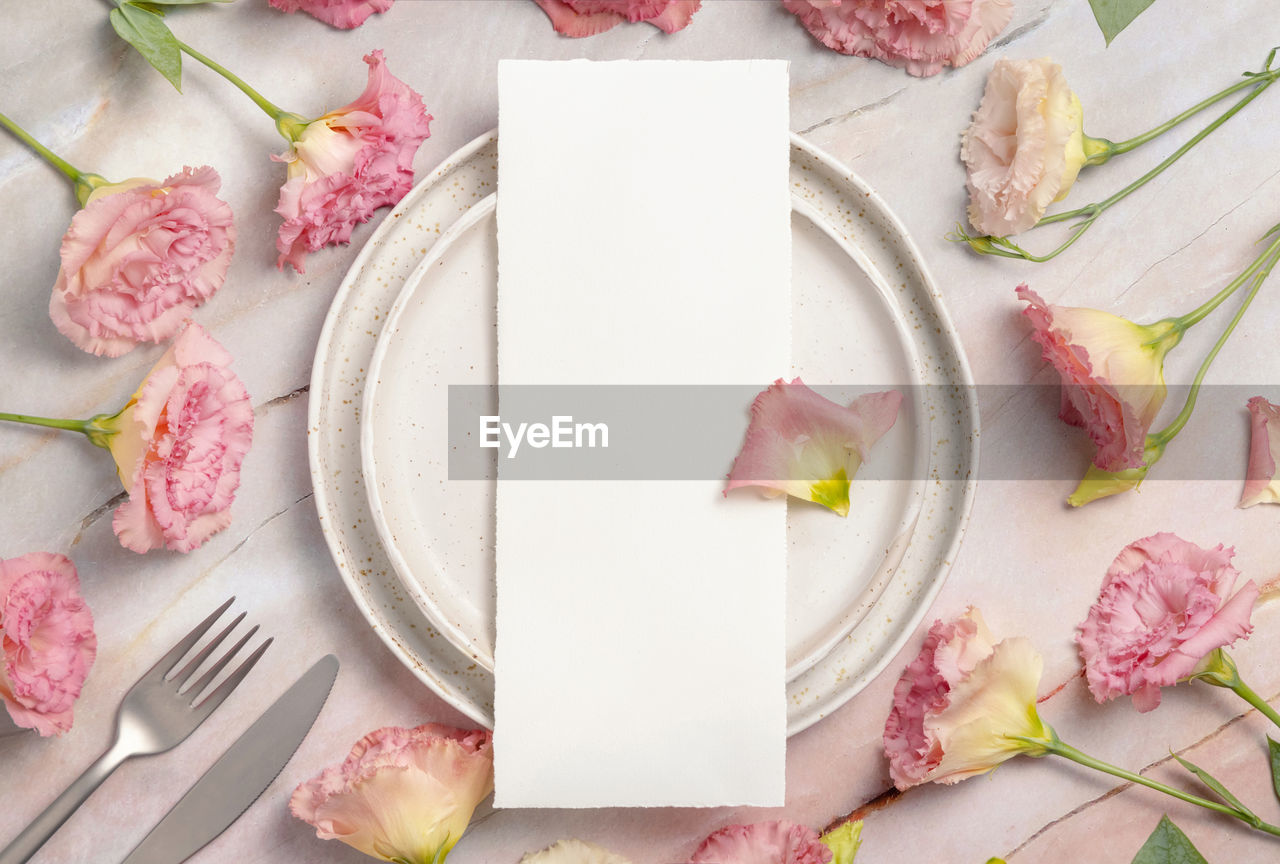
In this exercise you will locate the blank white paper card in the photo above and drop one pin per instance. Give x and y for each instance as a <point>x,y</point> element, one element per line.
<point>643,238</point>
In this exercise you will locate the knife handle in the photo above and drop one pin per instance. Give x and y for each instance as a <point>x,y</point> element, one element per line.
<point>43,826</point>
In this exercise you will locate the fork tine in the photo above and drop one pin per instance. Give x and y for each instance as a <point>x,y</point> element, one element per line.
<point>214,699</point>
<point>207,678</point>
<point>177,652</point>
<point>190,669</point>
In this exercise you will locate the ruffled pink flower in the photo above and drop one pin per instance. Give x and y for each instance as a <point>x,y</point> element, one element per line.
<point>178,447</point>
<point>1164,605</point>
<point>348,163</point>
<point>1025,146</point>
<point>763,843</point>
<point>138,258</point>
<point>920,36</point>
<point>1112,374</point>
<point>343,14</point>
<point>959,705</point>
<point>801,444</point>
<point>403,794</point>
<point>579,18</point>
<point>1261,486</point>
<point>574,851</point>
<point>46,633</point>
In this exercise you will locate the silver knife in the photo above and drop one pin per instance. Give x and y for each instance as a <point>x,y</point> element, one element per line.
<point>242,773</point>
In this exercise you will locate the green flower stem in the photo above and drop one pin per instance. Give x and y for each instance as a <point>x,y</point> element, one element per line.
<point>1264,79</point>
<point>83,182</point>
<point>1099,150</point>
<point>1217,668</point>
<point>92,428</point>
<point>1068,752</point>
<point>1194,317</point>
<point>73,173</point>
<point>1092,211</point>
<point>288,124</point>
<point>1245,692</point>
<point>1267,261</point>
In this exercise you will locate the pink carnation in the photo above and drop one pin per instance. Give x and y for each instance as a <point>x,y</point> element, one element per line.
<point>179,445</point>
<point>343,14</point>
<point>1112,374</point>
<point>763,843</point>
<point>1164,605</point>
<point>920,36</point>
<point>138,258</point>
<point>46,632</point>
<point>348,163</point>
<point>402,794</point>
<point>579,18</point>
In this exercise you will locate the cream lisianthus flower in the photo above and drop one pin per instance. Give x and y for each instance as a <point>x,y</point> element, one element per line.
<point>403,795</point>
<point>1025,147</point>
<point>964,705</point>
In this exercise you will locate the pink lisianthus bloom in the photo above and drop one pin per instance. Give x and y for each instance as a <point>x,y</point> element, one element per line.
<point>763,843</point>
<point>47,640</point>
<point>1165,605</point>
<point>403,795</point>
<point>178,446</point>
<point>1112,374</point>
<point>578,18</point>
<point>1261,486</point>
<point>962,705</point>
<point>1025,147</point>
<point>920,36</point>
<point>348,163</point>
<point>573,851</point>
<point>138,258</point>
<point>343,14</point>
<point>801,444</point>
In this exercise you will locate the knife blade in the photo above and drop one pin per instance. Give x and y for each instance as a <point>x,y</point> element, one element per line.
<point>241,774</point>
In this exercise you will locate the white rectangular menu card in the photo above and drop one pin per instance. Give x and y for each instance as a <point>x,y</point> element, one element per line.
<point>643,238</point>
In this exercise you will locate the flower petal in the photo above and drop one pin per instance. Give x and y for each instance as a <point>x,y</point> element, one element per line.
<point>343,14</point>
<point>1261,486</point>
<point>573,851</point>
<point>779,842</point>
<point>807,446</point>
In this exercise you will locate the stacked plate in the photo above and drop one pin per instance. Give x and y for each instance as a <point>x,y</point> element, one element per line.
<point>416,314</point>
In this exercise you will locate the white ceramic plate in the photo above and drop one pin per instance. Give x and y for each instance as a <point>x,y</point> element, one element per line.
<point>851,325</point>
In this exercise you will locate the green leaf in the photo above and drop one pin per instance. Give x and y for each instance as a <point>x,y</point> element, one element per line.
<point>148,33</point>
<point>1168,845</point>
<point>1275,765</point>
<point>1208,779</point>
<point>150,7</point>
<point>1115,15</point>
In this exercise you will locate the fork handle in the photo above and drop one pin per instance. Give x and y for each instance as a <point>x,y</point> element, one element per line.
<point>43,826</point>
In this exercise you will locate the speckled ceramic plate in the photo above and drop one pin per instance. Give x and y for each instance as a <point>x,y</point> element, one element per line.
<point>856,588</point>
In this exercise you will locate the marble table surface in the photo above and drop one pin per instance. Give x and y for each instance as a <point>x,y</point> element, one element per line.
<point>1030,563</point>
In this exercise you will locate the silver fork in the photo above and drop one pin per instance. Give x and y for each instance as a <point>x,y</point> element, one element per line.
<point>156,714</point>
